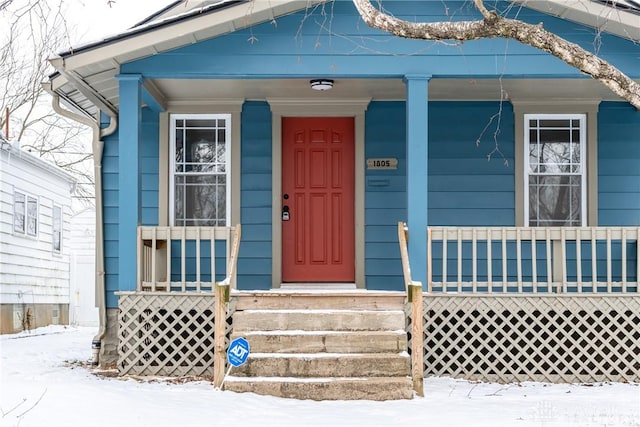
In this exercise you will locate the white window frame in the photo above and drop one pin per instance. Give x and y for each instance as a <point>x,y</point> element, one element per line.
<point>25,228</point>
<point>583,160</point>
<point>53,228</point>
<point>172,159</point>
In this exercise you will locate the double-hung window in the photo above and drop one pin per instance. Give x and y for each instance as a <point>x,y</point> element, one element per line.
<point>200,169</point>
<point>555,170</point>
<point>25,214</point>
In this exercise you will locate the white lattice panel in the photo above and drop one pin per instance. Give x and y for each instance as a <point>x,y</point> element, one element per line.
<point>166,334</point>
<point>532,338</point>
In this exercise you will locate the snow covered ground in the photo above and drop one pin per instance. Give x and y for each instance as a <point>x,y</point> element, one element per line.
<point>39,387</point>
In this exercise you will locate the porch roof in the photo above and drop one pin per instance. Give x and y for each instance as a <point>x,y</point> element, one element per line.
<point>85,75</point>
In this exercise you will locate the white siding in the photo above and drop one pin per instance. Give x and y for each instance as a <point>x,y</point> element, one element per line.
<point>82,309</point>
<point>30,272</point>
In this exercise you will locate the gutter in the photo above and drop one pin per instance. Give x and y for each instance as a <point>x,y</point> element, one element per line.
<point>97,149</point>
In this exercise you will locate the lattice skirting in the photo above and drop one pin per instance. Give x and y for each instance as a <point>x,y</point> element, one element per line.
<point>533,338</point>
<point>166,334</point>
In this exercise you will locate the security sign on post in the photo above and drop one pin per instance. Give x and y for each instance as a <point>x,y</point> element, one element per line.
<point>238,352</point>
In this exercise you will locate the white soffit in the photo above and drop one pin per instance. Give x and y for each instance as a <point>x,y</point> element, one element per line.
<point>603,16</point>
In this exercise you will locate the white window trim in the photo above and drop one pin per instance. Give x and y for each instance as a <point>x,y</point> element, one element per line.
<point>583,164</point>
<point>24,232</point>
<point>172,158</point>
<point>557,106</point>
<point>53,248</point>
<point>192,106</point>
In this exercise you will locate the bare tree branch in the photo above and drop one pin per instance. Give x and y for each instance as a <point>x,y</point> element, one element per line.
<point>492,26</point>
<point>35,31</point>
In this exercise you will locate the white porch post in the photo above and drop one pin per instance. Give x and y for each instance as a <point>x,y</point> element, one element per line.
<point>417,182</point>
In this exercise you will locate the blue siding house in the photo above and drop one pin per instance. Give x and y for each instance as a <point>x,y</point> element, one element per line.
<point>318,134</point>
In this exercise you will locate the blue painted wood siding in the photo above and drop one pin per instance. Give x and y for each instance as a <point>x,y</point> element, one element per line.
<point>465,187</point>
<point>254,261</point>
<point>149,180</point>
<point>331,39</point>
<point>385,194</point>
<point>618,164</point>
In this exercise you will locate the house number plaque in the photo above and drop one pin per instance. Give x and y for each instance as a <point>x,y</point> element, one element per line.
<point>385,163</point>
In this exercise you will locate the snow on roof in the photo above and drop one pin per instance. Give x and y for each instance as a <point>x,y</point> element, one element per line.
<point>13,149</point>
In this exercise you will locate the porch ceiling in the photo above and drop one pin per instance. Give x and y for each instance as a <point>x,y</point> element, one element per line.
<point>201,91</point>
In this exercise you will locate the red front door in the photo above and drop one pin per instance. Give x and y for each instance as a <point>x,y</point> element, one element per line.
<point>318,241</point>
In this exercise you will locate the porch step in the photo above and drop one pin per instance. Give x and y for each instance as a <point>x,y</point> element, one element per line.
<point>319,300</point>
<point>312,365</point>
<point>336,352</point>
<point>384,388</point>
<point>318,320</point>
<point>326,341</point>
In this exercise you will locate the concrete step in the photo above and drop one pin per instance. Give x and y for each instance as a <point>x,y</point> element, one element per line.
<point>318,320</point>
<point>320,300</point>
<point>325,341</point>
<point>324,365</point>
<point>369,388</point>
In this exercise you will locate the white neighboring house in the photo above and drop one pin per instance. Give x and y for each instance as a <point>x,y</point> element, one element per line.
<point>82,249</point>
<point>35,224</point>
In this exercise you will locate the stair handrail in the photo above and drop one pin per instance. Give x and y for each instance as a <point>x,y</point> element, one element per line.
<point>414,297</point>
<point>221,301</point>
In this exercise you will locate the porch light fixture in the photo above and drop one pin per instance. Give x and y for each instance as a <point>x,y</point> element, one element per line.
<point>321,84</point>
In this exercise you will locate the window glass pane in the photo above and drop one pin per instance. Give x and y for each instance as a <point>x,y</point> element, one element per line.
<point>554,123</point>
<point>201,200</point>
<point>57,229</point>
<point>32,216</point>
<point>555,171</point>
<point>18,212</point>
<point>200,123</point>
<point>555,200</point>
<point>200,174</point>
<point>179,150</point>
<point>554,135</point>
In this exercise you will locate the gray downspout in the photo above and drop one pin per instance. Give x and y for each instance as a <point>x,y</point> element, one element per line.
<point>97,148</point>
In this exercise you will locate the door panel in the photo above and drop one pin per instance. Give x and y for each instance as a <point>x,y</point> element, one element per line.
<point>318,195</point>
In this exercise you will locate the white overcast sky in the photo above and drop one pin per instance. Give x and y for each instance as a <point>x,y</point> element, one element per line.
<point>95,19</point>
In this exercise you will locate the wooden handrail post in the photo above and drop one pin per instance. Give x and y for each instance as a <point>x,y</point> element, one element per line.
<point>219,332</point>
<point>403,235</point>
<point>233,256</point>
<point>417,340</point>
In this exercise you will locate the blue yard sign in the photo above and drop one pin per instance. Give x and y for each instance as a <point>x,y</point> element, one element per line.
<point>238,352</point>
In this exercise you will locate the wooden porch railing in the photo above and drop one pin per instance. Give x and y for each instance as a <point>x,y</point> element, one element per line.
<point>533,260</point>
<point>183,259</point>
<point>527,304</point>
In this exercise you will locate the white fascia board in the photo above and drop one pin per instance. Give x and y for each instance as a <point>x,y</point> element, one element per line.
<point>603,17</point>
<point>144,44</point>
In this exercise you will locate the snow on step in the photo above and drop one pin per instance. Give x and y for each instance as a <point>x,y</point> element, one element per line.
<point>324,365</point>
<point>314,320</point>
<point>323,388</point>
<point>325,341</point>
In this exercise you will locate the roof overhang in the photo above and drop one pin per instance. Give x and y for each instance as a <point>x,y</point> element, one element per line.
<point>86,74</point>
<point>85,77</point>
<point>604,16</point>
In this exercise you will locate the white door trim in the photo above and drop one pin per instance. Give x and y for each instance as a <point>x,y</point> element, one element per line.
<point>282,107</point>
